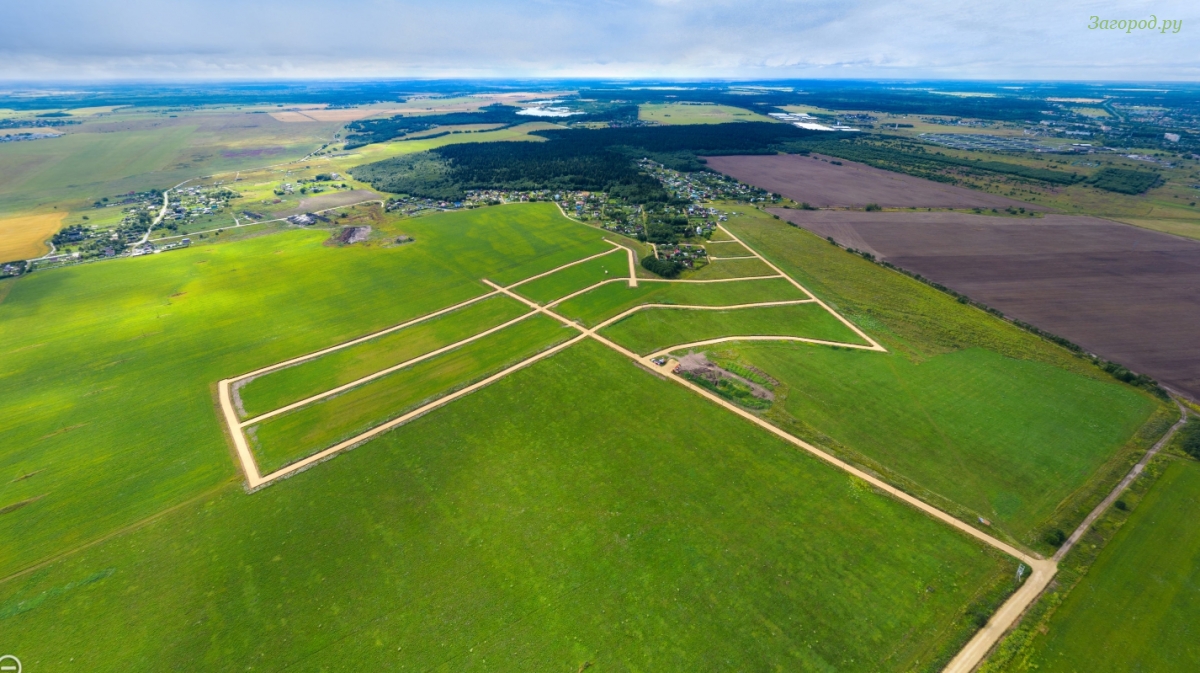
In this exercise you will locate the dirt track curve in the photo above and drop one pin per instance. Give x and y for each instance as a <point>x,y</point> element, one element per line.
<point>1042,569</point>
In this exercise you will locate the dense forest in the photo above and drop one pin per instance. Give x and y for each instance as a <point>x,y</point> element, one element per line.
<point>369,131</point>
<point>915,159</point>
<point>1124,180</point>
<point>577,159</point>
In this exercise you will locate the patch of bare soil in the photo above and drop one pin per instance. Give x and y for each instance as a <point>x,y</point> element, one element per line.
<point>698,365</point>
<point>813,179</point>
<point>332,200</point>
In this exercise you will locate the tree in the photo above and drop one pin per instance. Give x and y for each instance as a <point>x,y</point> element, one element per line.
<point>662,267</point>
<point>1189,438</point>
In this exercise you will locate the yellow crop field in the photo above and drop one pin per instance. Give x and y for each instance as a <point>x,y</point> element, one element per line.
<point>24,236</point>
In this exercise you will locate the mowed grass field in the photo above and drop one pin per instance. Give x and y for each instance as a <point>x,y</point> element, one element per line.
<point>1138,607</point>
<point>291,384</point>
<point>971,425</point>
<point>609,300</point>
<point>579,512</point>
<point>685,113</point>
<point>572,279</point>
<point>25,236</point>
<point>110,369</point>
<point>652,329</point>
<point>299,433</point>
<point>731,268</point>
<point>966,409</point>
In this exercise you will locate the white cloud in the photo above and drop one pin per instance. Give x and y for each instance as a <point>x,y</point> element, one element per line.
<point>84,39</point>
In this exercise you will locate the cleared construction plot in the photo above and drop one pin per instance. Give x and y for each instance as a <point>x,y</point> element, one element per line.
<point>823,184</point>
<point>1125,293</point>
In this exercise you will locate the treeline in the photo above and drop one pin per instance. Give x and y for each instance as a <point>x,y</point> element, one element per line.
<point>916,160</point>
<point>1007,108</point>
<point>1124,180</point>
<point>449,172</point>
<point>662,267</point>
<point>369,131</point>
<point>839,97</point>
<point>575,159</point>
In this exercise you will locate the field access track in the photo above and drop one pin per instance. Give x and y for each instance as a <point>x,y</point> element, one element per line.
<point>1042,570</point>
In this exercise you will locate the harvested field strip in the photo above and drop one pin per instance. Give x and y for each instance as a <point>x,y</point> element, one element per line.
<point>24,237</point>
<point>574,278</point>
<point>732,268</point>
<point>606,301</point>
<point>298,433</point>
<point>652,329</point>
<point>285,386</point>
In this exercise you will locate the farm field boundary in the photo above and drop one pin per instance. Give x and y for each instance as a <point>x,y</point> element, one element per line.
<point>1042,570</point>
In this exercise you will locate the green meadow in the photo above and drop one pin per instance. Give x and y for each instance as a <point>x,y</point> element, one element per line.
<point>609,300</point>
<point>972,426</point>
<point>691,113</point>
<point>110,368</point>
<point>731,268</point>
<point>580,512</point>
<point>136,151</point>
<point>572,279</point>
<point>291,384</point>
<point>299,433</point>
<point>1138,606</point>
<point>1014,428</point>
<point>653,329</point>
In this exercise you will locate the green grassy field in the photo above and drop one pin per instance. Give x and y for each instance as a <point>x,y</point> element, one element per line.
<point>106,364</point>
<point>506,243</point>
<point>971,425</point>
<point>1137,607</point>
<point>284,386</point>
<point>727,248</point>
<point>286,438</point>
<point>533,525</point>
<point>685,113</point>
<point>650,330</point>
<point>606,301</point>
<point>562,283</point>
<point>918,324</point>
<point>138,151</point>
<point>731,268</point>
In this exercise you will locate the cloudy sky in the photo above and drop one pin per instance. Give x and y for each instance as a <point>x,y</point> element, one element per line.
<point>759,39</point>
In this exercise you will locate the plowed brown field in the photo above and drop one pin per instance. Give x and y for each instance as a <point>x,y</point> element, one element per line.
<point>1127,294</point>
<point>823,184</point>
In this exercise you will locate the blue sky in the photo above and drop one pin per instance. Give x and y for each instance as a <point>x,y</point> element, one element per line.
<point>759,39</point>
